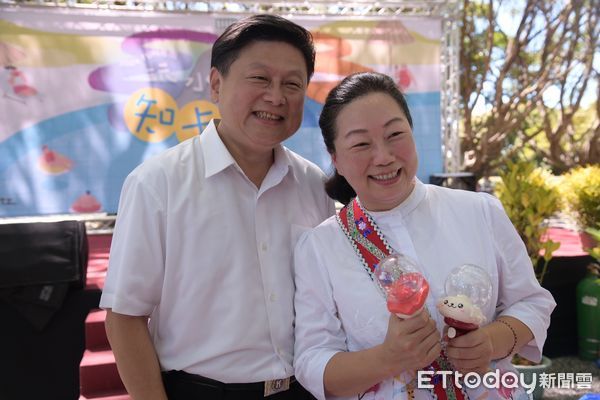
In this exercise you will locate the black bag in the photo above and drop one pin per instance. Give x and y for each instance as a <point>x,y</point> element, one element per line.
<point>39,263</point>
<point>43,253</point>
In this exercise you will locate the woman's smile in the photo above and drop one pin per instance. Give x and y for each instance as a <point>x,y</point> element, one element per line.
<point>388,178</point>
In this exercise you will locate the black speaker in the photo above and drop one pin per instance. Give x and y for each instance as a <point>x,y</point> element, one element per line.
<point>455,180</point>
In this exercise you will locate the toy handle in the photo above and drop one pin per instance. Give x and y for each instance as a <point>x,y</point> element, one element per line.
<point>406,316</point>
<point>458,328</point>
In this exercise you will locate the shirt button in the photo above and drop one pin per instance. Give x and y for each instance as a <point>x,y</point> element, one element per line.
<point>263,247</point>
<point>272,297</point>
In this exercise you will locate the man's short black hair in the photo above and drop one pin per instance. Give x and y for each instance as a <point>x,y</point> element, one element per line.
<point>262,27</point>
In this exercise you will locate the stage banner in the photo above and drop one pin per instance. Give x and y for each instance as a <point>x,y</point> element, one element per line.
<point>87,95</point>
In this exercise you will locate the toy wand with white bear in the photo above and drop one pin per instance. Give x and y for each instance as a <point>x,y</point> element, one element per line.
<point>468,292</point>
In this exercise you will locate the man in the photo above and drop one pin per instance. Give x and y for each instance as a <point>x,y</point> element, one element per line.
<point>202,245</point>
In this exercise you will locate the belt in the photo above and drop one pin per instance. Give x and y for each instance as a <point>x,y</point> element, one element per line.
<point>266,387</point>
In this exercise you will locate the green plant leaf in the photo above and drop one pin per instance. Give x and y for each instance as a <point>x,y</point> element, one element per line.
<point>529,198</point>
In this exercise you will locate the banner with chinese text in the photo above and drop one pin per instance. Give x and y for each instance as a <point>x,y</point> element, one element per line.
<point>86,96</point>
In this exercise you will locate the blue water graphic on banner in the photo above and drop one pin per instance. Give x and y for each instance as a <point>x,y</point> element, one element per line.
<point>101,157</point>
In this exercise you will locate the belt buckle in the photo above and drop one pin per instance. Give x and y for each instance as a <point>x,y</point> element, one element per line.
<point>276,386</point>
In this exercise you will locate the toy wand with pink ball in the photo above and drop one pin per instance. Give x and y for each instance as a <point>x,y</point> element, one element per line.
<point>405,287</point>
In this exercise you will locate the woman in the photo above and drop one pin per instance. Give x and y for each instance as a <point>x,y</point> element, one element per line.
<point>347,342</point>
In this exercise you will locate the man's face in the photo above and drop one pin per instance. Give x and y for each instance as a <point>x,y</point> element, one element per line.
<point>261,98</point>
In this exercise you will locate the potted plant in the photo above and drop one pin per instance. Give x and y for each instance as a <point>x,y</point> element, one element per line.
<point>529,197</point>
<point>581,191</point>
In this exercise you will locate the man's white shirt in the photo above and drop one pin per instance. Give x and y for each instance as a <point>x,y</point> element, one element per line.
<point>207,255</point>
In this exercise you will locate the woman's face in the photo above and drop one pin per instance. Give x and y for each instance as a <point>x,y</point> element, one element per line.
<point>375,151</point>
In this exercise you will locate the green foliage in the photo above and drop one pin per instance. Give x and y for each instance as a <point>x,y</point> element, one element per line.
<point>581,191</point>
<point>529,198</point>
<point>595,252</point>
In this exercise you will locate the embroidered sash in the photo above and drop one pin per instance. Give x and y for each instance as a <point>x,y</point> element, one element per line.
<point>371,247</point>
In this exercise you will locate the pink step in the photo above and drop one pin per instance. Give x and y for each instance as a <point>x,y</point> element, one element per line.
<point>98,373</point>
<point>99,378</point>
<point>95,334</point>
<point>98,260</point>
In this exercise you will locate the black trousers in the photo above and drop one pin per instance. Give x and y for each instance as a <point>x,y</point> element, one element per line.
<point>180,385</point>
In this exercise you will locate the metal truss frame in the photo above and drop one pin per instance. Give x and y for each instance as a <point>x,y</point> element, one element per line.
<point>447,10</point>
<point>318,7</point>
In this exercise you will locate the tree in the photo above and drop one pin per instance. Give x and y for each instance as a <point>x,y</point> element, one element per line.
<point>531,75</point>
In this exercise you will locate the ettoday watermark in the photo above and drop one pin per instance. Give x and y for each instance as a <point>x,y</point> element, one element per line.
<point>506,379</point>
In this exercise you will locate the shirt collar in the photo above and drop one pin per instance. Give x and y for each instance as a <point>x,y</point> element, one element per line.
<point>409,204</point>
<point>283,164</point>
<point>217,157</point>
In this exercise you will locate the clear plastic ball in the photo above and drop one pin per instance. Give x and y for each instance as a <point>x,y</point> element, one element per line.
<point>390,269</point>
<point>406,288</point>
<point>471,281</point>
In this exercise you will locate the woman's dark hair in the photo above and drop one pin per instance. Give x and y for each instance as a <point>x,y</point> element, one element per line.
<point>351,88</point>
<point>262,27</point>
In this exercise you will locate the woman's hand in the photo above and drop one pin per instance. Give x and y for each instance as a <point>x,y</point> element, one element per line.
<point>411,343</point>
<point>471,352</point>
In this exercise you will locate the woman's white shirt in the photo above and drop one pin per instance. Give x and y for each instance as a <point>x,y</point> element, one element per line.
<point>339,308</point>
